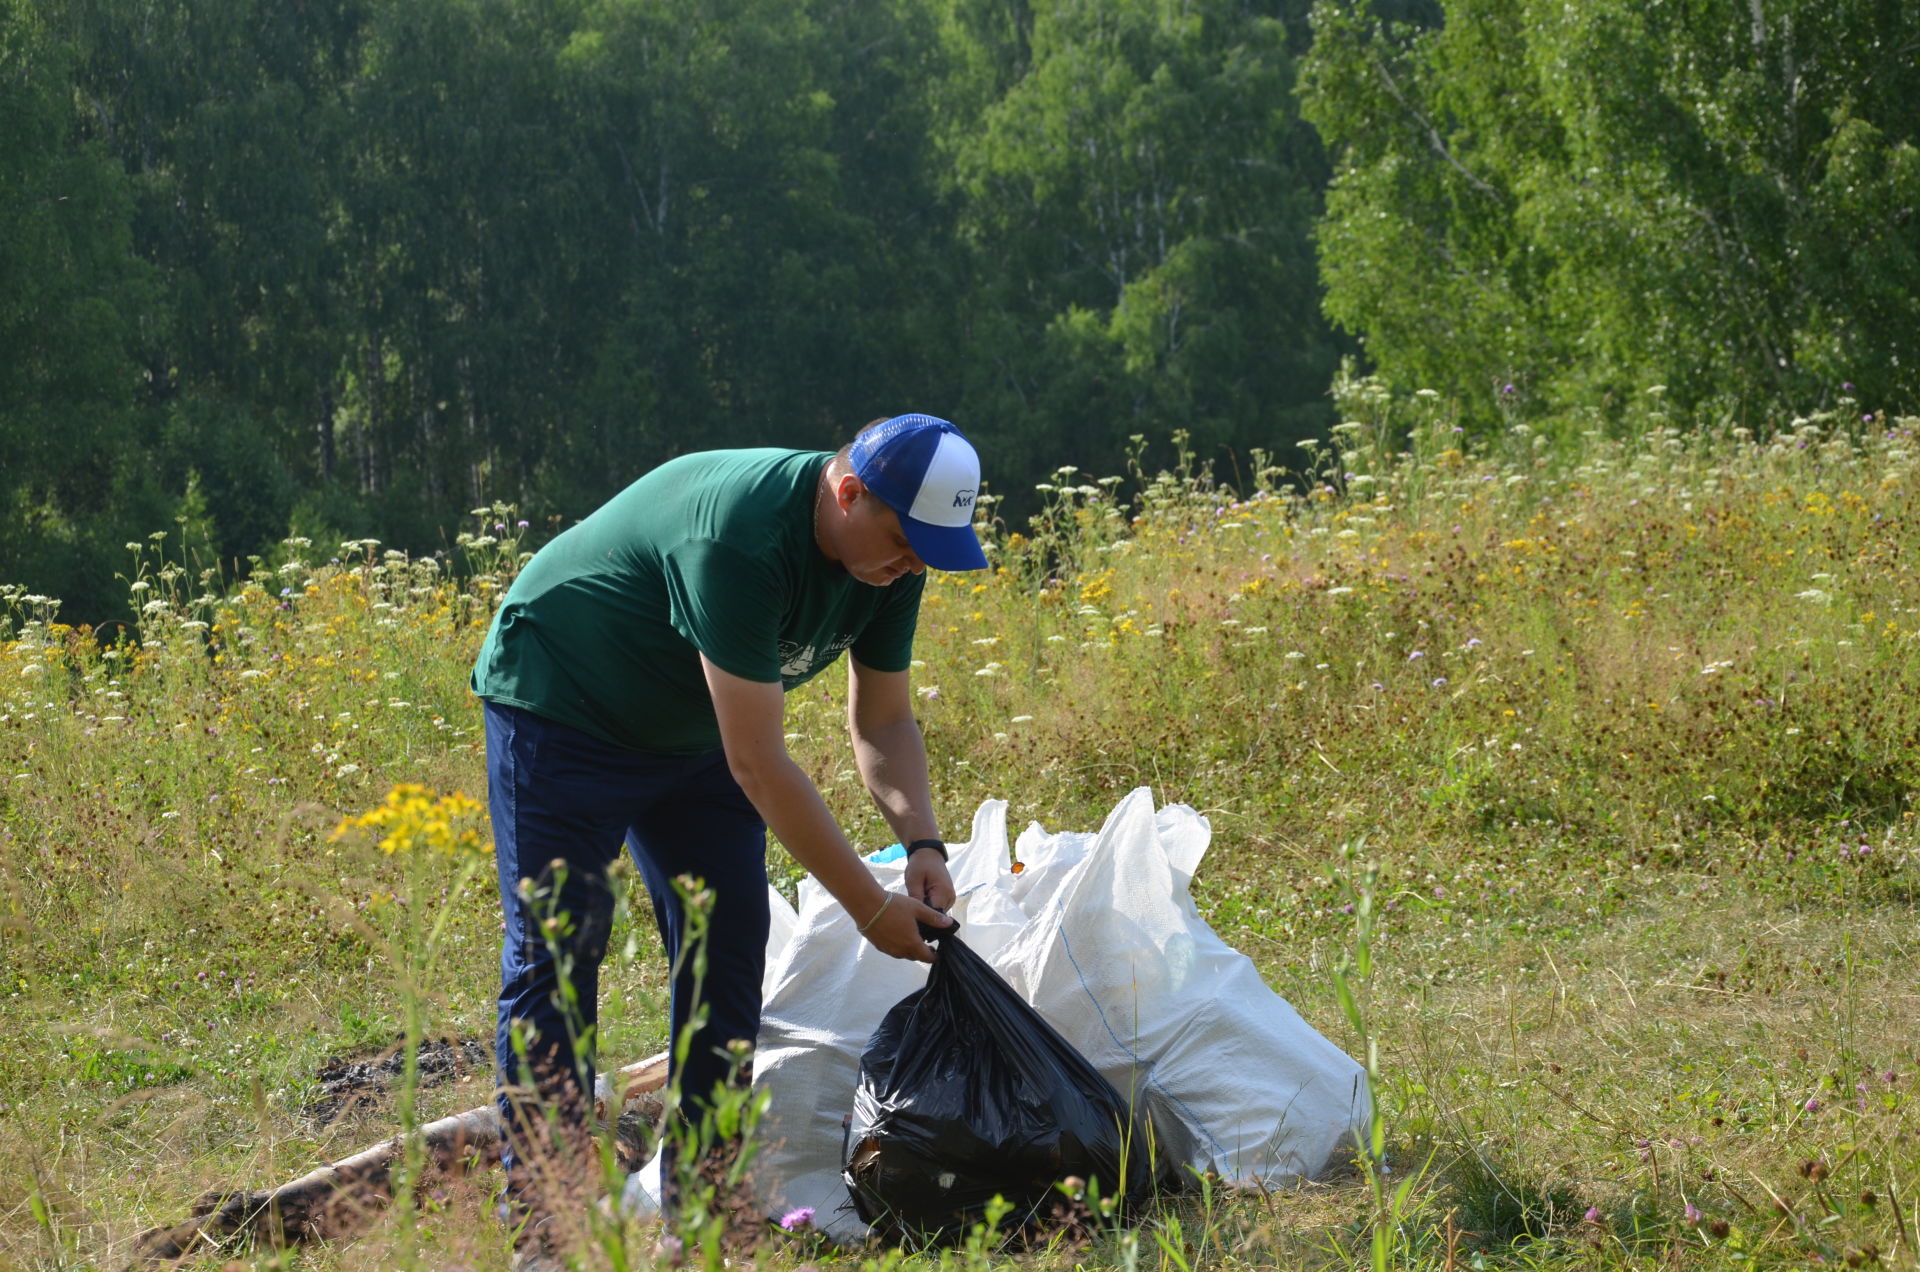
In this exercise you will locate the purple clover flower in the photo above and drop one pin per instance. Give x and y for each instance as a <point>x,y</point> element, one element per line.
<point>799,1219</point>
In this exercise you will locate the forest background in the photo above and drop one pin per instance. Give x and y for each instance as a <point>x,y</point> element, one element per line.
<point>332,267</point>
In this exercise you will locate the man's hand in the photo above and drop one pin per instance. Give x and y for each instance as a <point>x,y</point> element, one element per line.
<point>897,929</point>
<point>928,881</point>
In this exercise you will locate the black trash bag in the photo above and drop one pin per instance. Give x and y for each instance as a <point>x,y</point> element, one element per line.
<point>967,1093</point>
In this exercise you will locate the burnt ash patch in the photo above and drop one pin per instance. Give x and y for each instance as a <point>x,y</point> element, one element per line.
<point>350,1083</point>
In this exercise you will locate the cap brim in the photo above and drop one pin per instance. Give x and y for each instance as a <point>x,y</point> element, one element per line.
<point>944,547</point>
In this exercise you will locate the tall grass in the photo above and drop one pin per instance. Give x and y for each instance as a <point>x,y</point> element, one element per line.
<point>1631,723</point>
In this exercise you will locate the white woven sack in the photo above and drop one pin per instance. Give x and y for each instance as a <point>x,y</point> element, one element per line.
<point>1121,963</point>
<point>1046,861</point>
<point>640,1197</point>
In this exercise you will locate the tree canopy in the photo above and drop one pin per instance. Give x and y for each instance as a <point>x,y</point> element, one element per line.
<point>355,266</point>
<point>1581,201</point>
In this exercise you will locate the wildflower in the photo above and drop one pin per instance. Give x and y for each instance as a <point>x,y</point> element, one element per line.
<point>799,1219</point>
<point>520,525</point>
<point>1846,386</point>
<point>1593,1214</point>
<point>1692,1215</point>
<point>1506,390</point>
<point>1812,1105</point>
<point>1418,653</point>
<point>1440,683</point>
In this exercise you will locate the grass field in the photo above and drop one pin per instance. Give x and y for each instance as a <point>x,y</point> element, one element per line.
<point>1630,724</point>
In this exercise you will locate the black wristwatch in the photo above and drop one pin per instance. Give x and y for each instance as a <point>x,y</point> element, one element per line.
<point>935,844</point>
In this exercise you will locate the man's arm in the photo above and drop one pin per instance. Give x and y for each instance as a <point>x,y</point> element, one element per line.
<point>752,729</point>
<point>892,758</point>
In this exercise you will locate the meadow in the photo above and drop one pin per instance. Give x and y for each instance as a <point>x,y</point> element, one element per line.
<point>1613,739</point>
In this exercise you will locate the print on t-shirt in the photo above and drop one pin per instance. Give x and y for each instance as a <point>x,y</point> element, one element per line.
<point>798,662</point>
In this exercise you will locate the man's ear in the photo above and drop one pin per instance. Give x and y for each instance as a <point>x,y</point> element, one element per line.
<point>847,490</point>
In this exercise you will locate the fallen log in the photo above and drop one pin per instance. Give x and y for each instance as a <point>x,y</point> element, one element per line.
<point>335,1199</point>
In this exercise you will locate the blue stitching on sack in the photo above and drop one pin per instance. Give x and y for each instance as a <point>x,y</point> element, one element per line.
<point>1153,1079</point>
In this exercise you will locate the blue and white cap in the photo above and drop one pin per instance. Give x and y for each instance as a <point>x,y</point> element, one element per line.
<point>926,471</point>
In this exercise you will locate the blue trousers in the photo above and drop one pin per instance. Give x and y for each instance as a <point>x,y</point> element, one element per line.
<point>563,803</point>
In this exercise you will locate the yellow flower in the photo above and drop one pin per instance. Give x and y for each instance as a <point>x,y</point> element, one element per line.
<point>413,817</point>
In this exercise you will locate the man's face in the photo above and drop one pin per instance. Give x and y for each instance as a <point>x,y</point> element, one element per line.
<point>873,548</point>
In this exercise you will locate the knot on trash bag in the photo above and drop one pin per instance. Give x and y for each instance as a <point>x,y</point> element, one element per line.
<point>934,935</point>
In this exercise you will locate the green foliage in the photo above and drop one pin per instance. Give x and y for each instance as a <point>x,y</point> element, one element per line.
<point>72,484</point>
<point>363,263</point>
<point>360,263</point>
<point>1536,205</point>
<point>1145,189</point>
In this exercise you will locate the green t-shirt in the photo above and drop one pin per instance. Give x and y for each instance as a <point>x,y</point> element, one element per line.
<point>711,553</point>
